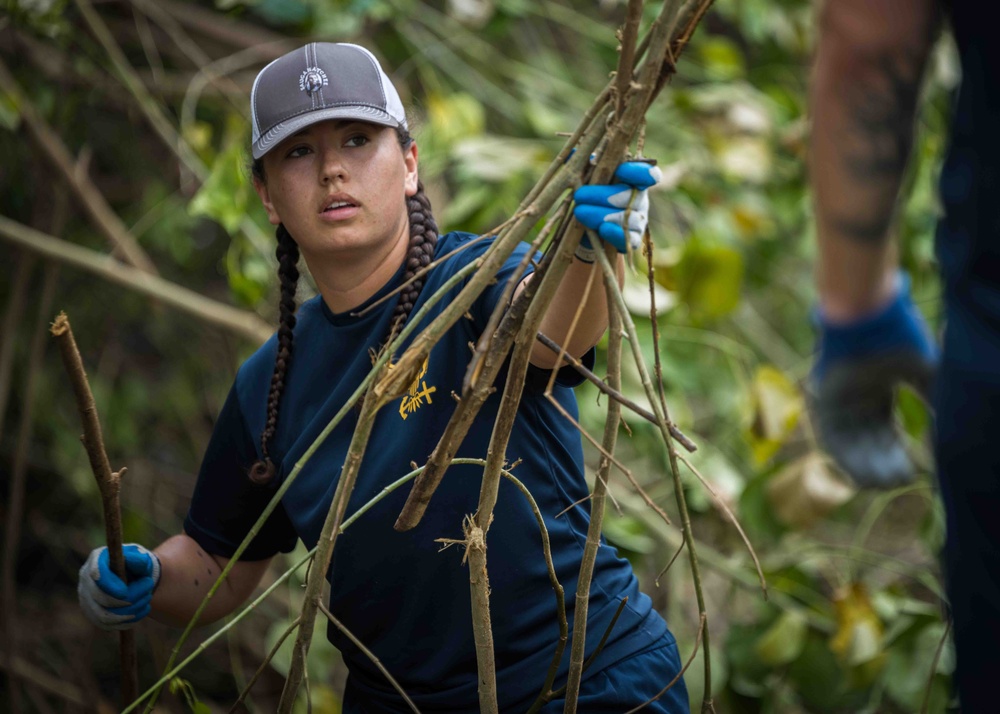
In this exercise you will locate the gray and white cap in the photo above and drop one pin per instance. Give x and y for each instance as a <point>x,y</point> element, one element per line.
<point>323,80</point>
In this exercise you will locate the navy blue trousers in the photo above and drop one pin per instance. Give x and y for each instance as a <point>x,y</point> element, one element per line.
<point>967,446</point>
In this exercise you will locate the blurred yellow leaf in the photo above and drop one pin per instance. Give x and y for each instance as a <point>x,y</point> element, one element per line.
<point>777,407</point>
<point>784,640</point>
<point>806,490</point>
<point>455,116</point>
<point>858,639</point>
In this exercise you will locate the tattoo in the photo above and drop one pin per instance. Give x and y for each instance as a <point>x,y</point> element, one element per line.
<point>882,114</point>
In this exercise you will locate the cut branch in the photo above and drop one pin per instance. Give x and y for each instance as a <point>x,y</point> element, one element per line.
<point>108,482</point>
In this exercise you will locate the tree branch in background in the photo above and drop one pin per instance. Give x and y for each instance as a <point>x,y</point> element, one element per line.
<point>93,203</point>
<point>241,322</point>
<point>108,482</point>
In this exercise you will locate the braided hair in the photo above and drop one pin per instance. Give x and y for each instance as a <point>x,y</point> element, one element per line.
<point>423,240</point>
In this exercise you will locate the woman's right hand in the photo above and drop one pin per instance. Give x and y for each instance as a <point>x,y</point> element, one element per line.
<point>110,603</point>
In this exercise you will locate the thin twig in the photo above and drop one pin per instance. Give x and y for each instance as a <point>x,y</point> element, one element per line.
<point>263,665</point>
<point>108,482</point>
<point>576,364</point>
<point>370,655</point>
<point>732,518</point>
<point>12,315</point>
<point>680,549</point>
<point>934,666</point>
<point>593,541</point>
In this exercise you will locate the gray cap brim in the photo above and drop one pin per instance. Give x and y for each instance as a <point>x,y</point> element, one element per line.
<point>285,129</point>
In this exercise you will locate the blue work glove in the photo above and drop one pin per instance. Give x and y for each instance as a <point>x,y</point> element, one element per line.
<point>852,384</point>
<point>619,208</point>
<point>106,600</point>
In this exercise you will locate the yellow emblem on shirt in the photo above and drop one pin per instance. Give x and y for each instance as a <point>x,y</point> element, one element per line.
<point>418,392</point>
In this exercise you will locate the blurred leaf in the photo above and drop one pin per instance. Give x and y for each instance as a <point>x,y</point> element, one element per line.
<point>10,113</point>
<point>908,665</point>
<point>778,405</point>
<point>913,411</point>
<point>722,58</point>
<point>629,533</point>
<point>455,116</point>
<point>806,490</point>
<point>858,639</point>
<point>225,194</point>
<point>784,640</point>
<point>710,278</point>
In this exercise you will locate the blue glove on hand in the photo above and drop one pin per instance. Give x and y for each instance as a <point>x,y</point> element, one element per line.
<point>106,600</point>
<point>611,210</point>
<point>857,367</point>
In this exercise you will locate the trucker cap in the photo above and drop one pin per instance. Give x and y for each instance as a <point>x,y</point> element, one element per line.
<point>323,80</point>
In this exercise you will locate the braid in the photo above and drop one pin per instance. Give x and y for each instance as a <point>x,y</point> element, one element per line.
<point>288,274</point>
<point>423,239</point>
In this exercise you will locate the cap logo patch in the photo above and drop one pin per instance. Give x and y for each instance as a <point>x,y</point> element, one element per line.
<point>312,80</point>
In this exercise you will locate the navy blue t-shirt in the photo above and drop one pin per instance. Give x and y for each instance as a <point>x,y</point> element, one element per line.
<point>402,595</point>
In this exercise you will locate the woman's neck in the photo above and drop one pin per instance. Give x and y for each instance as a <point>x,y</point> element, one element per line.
<point>346,280</point>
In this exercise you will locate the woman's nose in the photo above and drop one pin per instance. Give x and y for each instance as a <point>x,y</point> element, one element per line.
<point>332,168</point>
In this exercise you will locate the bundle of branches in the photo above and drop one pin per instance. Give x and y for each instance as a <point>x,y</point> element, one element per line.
<point>601,141</point>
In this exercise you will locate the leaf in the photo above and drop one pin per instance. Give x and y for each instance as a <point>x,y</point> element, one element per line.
<point>859,630</point>
<point>455,116</point>
<point>784,640</point>
<point>225,194</point>
<point>722,58</point>
<point>806,490</point>
<point>709,279</point>
<point>778,404</point>
<point>10,113</point>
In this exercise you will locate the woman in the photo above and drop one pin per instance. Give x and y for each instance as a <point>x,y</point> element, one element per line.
<point>336,170</point>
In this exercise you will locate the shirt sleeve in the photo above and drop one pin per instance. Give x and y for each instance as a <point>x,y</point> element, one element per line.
<point>226,503</point>
<point>537,378</point>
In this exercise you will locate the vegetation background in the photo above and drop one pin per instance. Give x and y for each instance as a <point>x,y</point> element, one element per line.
<point>854,621</point>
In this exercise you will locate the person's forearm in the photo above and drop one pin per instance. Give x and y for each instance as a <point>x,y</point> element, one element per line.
<point>869,63</point>
<point>567,301</point>
<point>188,573</point>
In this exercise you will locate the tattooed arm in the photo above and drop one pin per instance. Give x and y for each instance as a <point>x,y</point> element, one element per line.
<point>869,64</point>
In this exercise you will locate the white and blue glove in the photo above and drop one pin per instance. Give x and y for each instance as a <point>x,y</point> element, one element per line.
<point>858,365</point>
<point>618,209</point>
<point>106,600</point>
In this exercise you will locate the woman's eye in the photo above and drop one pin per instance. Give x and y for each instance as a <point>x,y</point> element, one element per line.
<point>298,151</point>
<point>357,140</point>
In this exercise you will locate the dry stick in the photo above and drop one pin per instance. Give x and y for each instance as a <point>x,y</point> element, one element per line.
<point>108,482</point>
<point>18,476</point>
<point>263,665</point>
<point>369,654</point>
<point>934,665</point>
<point>576,364</point>
<point>93,203</point>
<point>732,518</point>
<point>240,322</point>
<point>56,685</point>
<point>324,551</point>
<point>647,244</point>
<point>663,419</point>
<point>677,678</point>
<point>597,503</point>
<point>348,407</point>
<point>626,62</point>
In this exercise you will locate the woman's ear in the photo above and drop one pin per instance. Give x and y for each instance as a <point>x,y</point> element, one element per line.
<point>265,197</point>
<point>410,160</point>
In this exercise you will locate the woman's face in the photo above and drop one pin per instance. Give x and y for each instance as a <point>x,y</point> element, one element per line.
<point>340,187</point>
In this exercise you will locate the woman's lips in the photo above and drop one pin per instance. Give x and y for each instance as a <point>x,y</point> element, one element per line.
<point>340,213</point>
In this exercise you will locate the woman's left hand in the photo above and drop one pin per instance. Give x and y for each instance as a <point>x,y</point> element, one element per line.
<point>612,209</point>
